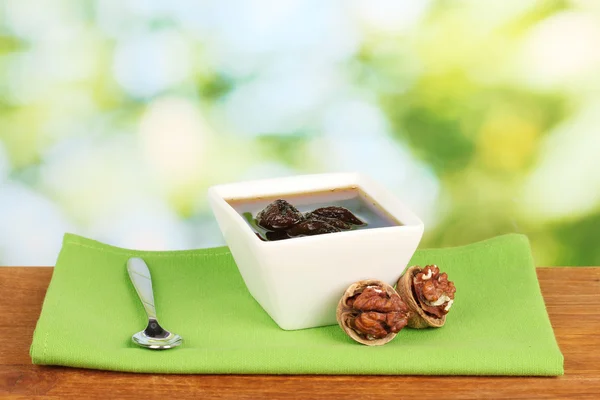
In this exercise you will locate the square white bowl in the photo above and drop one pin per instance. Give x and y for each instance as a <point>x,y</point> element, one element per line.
<point>299,281</point>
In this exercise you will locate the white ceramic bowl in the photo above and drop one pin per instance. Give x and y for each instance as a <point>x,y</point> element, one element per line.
<point>299,281</point>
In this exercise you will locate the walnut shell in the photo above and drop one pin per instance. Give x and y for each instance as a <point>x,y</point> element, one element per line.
<point>394,308</point>
<point>418,318</point>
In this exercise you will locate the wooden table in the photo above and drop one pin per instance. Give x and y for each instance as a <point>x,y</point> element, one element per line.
<point>572,296</point>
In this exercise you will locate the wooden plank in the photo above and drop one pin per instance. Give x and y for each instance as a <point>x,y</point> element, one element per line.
<point>572,296</point>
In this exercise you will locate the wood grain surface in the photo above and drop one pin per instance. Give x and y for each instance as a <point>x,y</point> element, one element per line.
<point>572,297</point>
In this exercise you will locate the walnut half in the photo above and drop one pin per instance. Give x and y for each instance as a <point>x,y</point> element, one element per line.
<point>429,295</point>
<point>371,312</point>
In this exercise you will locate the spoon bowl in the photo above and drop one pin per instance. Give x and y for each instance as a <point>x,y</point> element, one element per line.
<point>154,336</point>
<point>170,340</point>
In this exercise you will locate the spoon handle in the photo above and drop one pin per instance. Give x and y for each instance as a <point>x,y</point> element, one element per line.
<point>142,282</point>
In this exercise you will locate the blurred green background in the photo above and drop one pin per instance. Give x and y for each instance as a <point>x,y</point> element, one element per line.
<point>116,116</point>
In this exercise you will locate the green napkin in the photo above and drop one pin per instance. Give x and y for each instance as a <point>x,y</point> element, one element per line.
<point>498,324</point>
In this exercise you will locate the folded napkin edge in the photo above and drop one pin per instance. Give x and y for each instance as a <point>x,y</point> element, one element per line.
<point>516,237</point>
<point>72,238</point>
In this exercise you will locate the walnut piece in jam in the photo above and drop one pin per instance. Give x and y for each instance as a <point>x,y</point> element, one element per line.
<point>429,295</point>
<point>339,213</point>
<point>282,220</point>
<point>338,223</point>
<point>371,312</point>
<point>279,215</point>
<point>311,227</point>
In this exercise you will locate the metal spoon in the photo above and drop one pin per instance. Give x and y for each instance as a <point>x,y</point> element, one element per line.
<point>154,336</point>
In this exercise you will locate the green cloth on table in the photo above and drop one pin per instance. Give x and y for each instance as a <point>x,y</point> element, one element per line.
<point>498,324</point>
